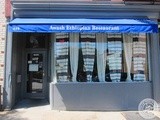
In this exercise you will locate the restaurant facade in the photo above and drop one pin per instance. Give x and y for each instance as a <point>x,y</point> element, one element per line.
<point>82,55</point>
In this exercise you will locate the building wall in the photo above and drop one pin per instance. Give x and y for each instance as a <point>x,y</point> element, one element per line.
<point>2,39</point>
<point>54,12</point>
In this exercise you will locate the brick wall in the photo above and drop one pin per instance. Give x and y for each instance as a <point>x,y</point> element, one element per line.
<point>2,39</point>
<point>7,8</point>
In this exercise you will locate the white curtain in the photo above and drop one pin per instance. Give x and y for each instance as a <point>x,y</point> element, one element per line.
<point>139,60</point>
<point>74,53</point>
<point>115,56</point>
<point>61,53</point>
<point>101,55</point>
<point>88,51</point>
<point>128,43</point>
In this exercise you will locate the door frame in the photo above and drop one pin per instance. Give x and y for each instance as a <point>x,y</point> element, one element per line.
<point>44,88</point>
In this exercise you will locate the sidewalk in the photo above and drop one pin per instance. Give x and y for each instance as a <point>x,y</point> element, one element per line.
<point>27,111</point>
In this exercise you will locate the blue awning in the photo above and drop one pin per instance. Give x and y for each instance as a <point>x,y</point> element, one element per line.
<point>83,25</point>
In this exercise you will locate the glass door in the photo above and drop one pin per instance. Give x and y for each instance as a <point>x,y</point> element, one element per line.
<point>36,74</point>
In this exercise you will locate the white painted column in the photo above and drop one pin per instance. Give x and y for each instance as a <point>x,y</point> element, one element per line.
<point>53,60</point>
<point>8,73</point>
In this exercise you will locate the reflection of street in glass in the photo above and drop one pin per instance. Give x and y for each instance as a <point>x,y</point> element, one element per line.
<point>37,86</point>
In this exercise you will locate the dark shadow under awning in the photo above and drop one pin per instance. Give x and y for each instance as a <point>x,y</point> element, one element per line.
<point>83,25</point>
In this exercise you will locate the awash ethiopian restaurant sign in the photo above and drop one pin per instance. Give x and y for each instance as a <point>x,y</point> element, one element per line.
<point>84,28</point>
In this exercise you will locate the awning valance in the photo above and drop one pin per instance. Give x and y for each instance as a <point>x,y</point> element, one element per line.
<point>83,25</point>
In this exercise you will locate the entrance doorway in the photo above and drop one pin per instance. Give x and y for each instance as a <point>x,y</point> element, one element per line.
<point>36,49</point>
<point>36,74</point>
<point>30,63</point>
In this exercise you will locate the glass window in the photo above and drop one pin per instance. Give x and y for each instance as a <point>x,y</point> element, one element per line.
<point>101,57</point>
<point>62,57</point>
<point>36,40</point>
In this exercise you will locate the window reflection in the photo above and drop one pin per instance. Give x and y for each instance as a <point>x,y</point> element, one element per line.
<point>62,57</point>
<point>36,40</point>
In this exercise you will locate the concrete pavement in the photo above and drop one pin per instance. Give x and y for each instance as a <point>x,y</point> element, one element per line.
<point>33,110</point>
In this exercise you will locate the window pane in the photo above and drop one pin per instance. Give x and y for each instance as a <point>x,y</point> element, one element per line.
<point>74,54</point>
<point>62,57</point>
<point>101,57</point>
<point>114,56</point>
<point>86,57</point>
<point>36,40</point>
<point>139,58</point>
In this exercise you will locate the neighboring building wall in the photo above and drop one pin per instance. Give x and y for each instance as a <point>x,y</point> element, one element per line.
<point>2,39</point>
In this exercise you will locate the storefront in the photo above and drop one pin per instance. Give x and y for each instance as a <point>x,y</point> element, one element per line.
<point>83,62</point>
